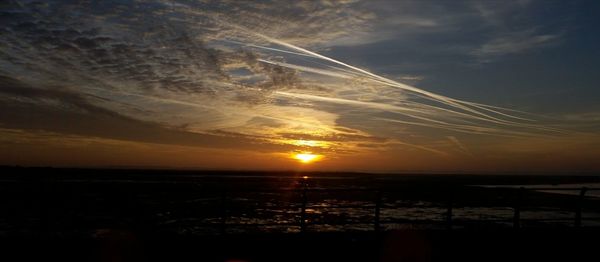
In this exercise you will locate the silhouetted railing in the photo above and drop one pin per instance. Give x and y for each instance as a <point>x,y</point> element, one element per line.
<point>77,207</point>
<point>378,205</point>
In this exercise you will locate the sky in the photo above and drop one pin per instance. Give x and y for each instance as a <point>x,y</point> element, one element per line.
<point>349,85</point>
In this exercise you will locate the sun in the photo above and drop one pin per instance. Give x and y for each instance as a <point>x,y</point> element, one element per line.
<point>306,157</point>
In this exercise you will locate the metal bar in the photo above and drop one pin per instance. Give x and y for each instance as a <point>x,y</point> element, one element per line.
<point>414,221</point>
<point>449,212</point>
<point>303,210</point>
<point>381,222</point>
<point>517,215</point>
<point>377,225</point>
<point>546,219</point>
<point>366,223</point>
<point>223,224</point>
<point>336,207</point>
<point>560,188</point>
<point>579,207</point>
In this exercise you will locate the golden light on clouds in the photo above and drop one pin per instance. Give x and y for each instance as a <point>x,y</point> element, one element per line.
<point>307,157</point>
<point>311,143</point>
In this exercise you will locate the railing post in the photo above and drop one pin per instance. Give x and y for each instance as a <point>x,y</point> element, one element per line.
<point>449,211</point>
<point>223,214</point>
<point>377,225</point>
<point>517,207</point>
<point>579,207</point>
<point>303,210</point>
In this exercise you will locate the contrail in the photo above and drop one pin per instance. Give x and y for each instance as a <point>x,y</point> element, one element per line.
<point>307,69</point>
<point>482,107</point>
<point>385,106</point>
<point>425,108</point>
<point>460,145</point>
<point>266,48</point>
<point>488,118</point>
<point>429,149</point>
<point>473,129</point>
<point>329,73</point>
<point>440,98</point>
<point>465,129</point>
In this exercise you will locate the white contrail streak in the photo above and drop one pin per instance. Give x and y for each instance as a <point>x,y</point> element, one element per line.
<point>440,98</point>
<point>446,100</point>
<point>382,80</point>
<point>383,106</point>
<point>435,111</point>
<point>391,108</point>
<point>268,48</point>
<point>307,69</point>
<point>480,106</point>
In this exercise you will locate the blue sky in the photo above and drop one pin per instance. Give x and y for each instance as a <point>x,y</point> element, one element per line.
<point>546,50</point>
<point>364,85</point>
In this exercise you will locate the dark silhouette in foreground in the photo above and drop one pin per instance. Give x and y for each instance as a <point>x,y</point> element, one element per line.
<point>137,215</point>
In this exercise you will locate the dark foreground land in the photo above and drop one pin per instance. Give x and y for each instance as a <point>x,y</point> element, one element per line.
<point>461,245</point>
<point>136,215</point>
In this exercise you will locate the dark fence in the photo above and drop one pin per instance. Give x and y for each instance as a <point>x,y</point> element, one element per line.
<point>76,206</point>
<point>378,204</point>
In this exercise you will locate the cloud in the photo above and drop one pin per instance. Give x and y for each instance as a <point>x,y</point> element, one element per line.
<point>464,31</point>
<point>512,30</point>
<point>59,111</point>
<point>515,42</point>
<point>231,74</point>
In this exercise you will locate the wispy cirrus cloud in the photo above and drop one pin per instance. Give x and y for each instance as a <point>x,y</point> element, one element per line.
<point>516,42</point>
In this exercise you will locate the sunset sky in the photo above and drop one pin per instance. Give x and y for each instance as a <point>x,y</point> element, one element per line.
<point>382,86</point>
